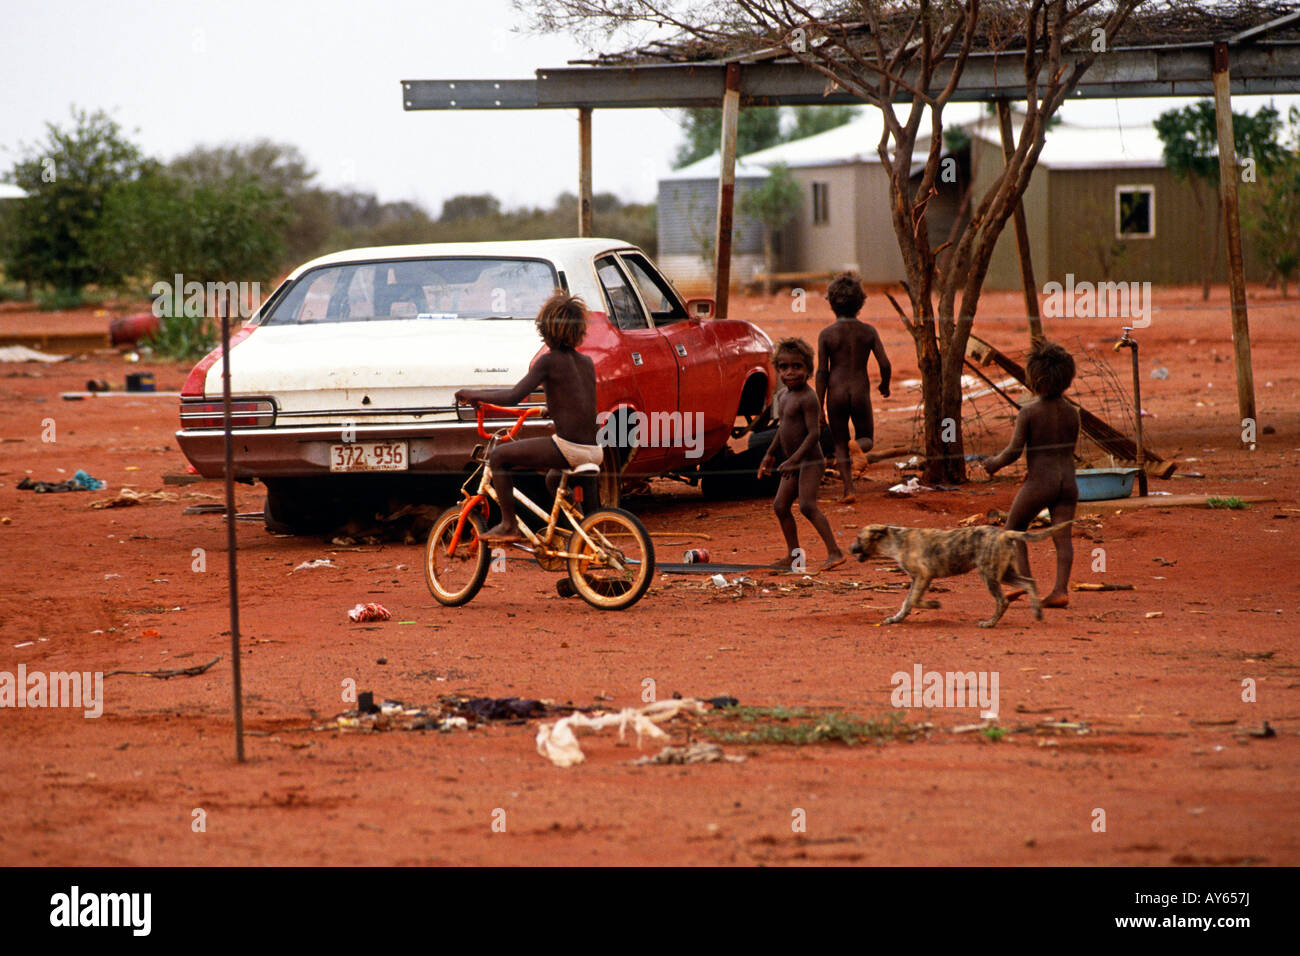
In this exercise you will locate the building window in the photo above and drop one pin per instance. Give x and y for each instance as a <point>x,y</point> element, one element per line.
<point>821,206</point>
<point>1135,212</point>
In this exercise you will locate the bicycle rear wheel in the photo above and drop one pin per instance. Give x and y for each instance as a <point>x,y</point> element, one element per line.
<point>455,578</point>
<point>618,570</point>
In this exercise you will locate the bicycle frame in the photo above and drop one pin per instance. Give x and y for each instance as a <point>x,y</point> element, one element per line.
<point>486,492</point>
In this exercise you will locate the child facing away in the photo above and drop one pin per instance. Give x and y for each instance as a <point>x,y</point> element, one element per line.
<point>798,431</point>
<point>843,387</point>
<point>1047,429</point>
<point>569,380</point>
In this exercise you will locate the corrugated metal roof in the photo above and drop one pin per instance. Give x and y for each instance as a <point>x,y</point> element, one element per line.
<point>1071,146</point>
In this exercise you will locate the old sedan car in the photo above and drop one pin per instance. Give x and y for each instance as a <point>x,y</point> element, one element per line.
<point>344,380</point>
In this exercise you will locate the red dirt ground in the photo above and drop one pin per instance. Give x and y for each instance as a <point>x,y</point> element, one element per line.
<point>1168,759</point>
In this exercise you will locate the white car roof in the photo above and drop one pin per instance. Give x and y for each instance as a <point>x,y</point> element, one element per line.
<point>560,251</point>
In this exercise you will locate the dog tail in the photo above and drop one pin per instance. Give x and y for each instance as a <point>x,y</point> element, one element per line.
<point>1039,535</point>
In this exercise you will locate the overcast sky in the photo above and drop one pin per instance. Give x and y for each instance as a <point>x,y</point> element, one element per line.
<point>324,76</point>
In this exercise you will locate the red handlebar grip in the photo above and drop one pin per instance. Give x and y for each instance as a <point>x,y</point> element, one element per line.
<point>524,413</point>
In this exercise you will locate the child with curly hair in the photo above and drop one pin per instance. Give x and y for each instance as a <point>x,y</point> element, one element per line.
<point>843,350</point>
<point>1047,430</point>
<point>797,439</point>
<point>569,380</point>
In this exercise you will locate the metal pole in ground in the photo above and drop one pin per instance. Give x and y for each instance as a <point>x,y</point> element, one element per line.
<point>1228,196</point>
<point>584,171</point>
<point>232,567</point>
<point>726,191</point>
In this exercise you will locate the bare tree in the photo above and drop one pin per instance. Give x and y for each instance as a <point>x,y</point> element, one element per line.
<point>903,57</point>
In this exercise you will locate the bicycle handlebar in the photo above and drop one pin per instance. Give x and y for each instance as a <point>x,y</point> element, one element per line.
<point>524,413</point>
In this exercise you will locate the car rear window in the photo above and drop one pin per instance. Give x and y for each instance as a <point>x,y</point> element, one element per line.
<point>388,290</point>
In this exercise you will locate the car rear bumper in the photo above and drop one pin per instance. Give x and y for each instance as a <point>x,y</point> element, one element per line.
<point>436,448</point>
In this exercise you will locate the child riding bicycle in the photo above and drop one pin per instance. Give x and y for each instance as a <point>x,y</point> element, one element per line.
<point>569,380</point>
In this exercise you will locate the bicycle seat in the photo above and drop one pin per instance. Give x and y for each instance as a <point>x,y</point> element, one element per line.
<point>588,468</point>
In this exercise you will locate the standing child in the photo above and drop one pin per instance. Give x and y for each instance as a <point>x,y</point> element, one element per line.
<point>1047,429</point>
<point>569,379</point>
<point>798,430</point>
<point>843,386</point>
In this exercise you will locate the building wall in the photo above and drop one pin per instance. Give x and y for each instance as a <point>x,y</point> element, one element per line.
<point>878,258</point>
<point>987,162</point>
<point>688,214</point>
<point>830,246</point>
<point>1070,214</point>
<point>1083,220</point>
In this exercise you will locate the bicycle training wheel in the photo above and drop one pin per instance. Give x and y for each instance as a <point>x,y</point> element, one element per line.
<point>618,571</point>
<point>455,578</point>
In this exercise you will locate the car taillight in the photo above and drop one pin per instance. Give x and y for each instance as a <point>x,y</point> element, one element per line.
<point>244,413</point>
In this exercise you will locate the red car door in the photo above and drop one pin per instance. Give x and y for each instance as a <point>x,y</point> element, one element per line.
<point>652,359</point>
<point>694,349</point>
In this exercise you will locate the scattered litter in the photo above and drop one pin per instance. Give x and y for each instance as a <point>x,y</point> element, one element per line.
<point>718,581</point>
<point>1151,614</point>
<point>318,563</point>
<point>78,482</point>
<point>450,713</point>
<point>1092,586</point>
<point>1264,731</point>
<point>505,708</point>
<point>1160,373</point>
<point>128,497</point>
<point>21,353</point>
<point>369,612</point>
<point>910,487</point>
<point>109,577</point>
<point>559,744</point>
<point>698,752</point>
<point>25,644</point>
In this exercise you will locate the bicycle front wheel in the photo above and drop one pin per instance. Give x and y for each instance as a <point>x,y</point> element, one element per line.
<point>454,578</point>
<point>617,571</point>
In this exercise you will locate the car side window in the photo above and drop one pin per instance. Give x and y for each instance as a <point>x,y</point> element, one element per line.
<point>659,299</point>
<point>624,307</point>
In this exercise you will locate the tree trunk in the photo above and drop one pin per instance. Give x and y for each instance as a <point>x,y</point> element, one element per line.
<point>931,368</point>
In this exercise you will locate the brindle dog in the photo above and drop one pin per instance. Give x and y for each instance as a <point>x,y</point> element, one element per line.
<point>928,553</point>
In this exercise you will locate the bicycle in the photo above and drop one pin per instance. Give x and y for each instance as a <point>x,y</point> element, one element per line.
<point>608,553</point>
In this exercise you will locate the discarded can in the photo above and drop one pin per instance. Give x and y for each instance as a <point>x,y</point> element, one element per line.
<point>696,556</point>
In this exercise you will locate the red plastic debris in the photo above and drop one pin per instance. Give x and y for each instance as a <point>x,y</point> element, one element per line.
<point>369,612</point>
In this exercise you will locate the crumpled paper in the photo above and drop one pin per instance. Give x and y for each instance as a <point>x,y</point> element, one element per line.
<point>558,742</point>
<point>910,487</point>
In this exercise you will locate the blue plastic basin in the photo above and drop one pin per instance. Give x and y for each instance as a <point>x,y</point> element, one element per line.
<point>1103,484</point>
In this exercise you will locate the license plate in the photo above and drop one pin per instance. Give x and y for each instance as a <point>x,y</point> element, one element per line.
<point>369,456</point>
